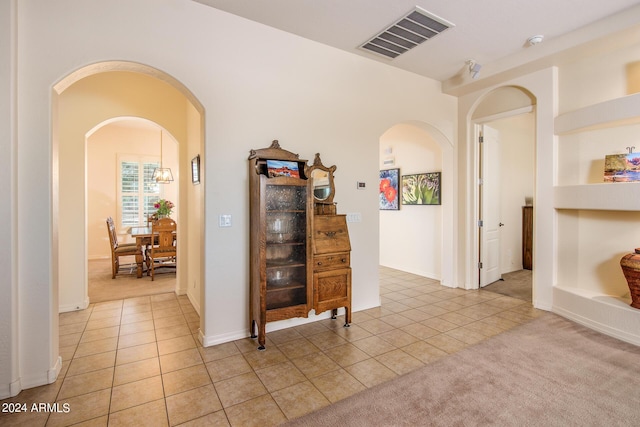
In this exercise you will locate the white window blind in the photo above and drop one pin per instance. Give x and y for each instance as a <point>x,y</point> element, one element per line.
<point>137,191</point>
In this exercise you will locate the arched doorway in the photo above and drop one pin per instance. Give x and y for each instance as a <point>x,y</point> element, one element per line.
<point>401,147</point>
<point>96,94</point>
<point>503,147</point>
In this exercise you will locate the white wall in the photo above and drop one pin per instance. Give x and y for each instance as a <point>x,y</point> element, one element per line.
<point>251,93</point>
<point>411,237</point>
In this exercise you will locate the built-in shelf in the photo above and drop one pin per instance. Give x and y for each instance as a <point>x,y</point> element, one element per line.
<point>612,113</point>
<point>619,196</point>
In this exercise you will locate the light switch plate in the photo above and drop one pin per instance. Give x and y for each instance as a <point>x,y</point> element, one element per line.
<point>224,220</point>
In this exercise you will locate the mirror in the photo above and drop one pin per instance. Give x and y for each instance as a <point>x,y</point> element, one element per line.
<point>323,190</point>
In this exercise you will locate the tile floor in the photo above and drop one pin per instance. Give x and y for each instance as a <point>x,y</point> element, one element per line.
<point>137,361</point>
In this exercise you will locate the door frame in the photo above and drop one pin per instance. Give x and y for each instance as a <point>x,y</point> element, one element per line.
<point>475,191</point>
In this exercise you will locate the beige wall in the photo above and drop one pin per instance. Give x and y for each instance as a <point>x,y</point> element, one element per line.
<point>411,237</point>
<point>250,93</point>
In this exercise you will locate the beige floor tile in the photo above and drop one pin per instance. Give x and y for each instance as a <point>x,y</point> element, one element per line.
<point>80,316</point>
<point>133,354</point>
<point>136,327</point>
<point>446,342</point>
<point>370,372</point>
<point>396,320</point>
<point>315,364</point>
<point>337,385</point>
<point>325,340</point>
<point>82,365</point>
<point>346,354</point>
<point>107,305</point>
<point>165,322</point>
<point>72,328</point>
<point>300,399</point>
<point>399,362</point>
<point>185,379</point>
<point>374,346</point>
<point>376,326</point>
<point>222,369</point>
<point>136,393</point>
<point>100,334</point>
<point>424,352</point>
<point>106,313</point>
<point>136,317</point>
<point>75,385</point>
<point>261,411</point>
<point>261,359</point>
<point>174,345</point>
<point>280,376</point>
<point>167,312</point>
<point>398,338</point>
<point>136,371</point>
<point>466,335</point>
<point>95,347</point>
<point>284,335</point>
<point>298,348</point>
<point>439,324</point>
<point>417,314</point>
<point>136,339</point>
<point>172,332</point>
<point>420,331</point>
<point>150,414</point>
<point>219,351</point>
<point>82,408</point>
<point>215,419</point>
<point>70,339</point>
<point>102,323</point>
<point>239,389</point>
<point>193,404</point>
<point>180,360</point>
<point>456,318</point>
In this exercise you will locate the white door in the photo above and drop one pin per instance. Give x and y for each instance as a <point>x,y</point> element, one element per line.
<point>490,206</point>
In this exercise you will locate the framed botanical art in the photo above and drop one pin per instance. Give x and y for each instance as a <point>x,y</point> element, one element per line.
<point>421,189</point>
<point>388,197</point>
<point>195,170</point>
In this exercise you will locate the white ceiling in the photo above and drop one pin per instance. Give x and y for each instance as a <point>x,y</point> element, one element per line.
<point>488,31</point>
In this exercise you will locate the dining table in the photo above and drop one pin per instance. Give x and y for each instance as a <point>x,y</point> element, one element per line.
<point>143,236</point>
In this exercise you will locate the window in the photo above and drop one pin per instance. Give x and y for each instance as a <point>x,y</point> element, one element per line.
<point>137,191</point>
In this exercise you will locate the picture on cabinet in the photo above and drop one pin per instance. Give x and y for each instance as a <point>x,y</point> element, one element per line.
<point>282,168</point>
<point>388,197</point>
<point>622,167</point>
<point>421,189</point>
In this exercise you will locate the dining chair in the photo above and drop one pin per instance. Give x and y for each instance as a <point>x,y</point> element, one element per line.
<point>117,249</point>
<point>164,253</point>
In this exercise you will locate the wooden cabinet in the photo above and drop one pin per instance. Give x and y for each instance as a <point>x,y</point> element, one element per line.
<point>280,244</point>
<point>527,237</point>
<point>331,265</point>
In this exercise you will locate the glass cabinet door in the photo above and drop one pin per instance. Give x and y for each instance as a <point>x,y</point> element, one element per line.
<point>286,245</point>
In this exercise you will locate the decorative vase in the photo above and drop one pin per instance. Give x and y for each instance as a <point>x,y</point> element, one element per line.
<point>630,264</point>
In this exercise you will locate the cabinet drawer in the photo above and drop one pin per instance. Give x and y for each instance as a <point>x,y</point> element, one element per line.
<point>330,234</point>
<point>339,260</point>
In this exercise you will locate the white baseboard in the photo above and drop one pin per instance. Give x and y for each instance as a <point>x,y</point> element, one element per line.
<point>74,307</point>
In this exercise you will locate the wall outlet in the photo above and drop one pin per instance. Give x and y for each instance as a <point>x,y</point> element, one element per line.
<point>361,185</point>
<point>354,217</point>
<point>224,221</point>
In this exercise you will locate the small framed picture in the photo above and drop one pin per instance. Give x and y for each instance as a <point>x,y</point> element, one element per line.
<point>195,169</point>
<point>388,197</point>
<point>282,168</point>
<point>421,189</point>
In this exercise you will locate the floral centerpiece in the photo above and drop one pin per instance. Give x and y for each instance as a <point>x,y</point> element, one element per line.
<point>163,207</point>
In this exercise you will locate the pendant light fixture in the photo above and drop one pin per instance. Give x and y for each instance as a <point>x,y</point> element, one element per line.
<point>162,175</point>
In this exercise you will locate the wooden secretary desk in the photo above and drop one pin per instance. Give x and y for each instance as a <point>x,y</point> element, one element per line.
<point>298,260</point>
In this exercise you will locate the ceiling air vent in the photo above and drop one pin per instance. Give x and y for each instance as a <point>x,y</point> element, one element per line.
<point>407,33</point>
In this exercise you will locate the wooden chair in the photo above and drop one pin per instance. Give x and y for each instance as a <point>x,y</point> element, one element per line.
<point>162,254</point>
<point>118,250</point>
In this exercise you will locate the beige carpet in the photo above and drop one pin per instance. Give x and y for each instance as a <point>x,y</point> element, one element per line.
<point>548,372</point>
<point>126,285</point>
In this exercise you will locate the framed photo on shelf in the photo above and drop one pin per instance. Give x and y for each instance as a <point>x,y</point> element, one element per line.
<point>421,189</point>
<point>195,170</point>
<point>282,168</point>
<point>388,197</point>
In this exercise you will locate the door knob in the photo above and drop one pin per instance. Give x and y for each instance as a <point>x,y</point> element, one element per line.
<point>501,224</point>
